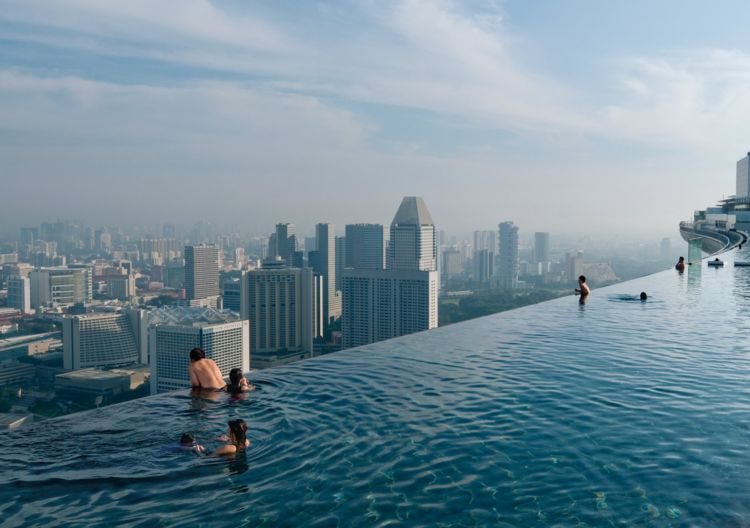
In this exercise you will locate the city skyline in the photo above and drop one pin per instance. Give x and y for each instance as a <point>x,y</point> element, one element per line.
<point>247,113</point>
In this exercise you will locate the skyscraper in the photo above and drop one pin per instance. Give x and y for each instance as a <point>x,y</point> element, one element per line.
<point>413,244</point>
<point>202,274</point>
<point>541,252</point>
<point>19,293</point>
<point>743,177</point>
<point>507,263</point>
<point>280,305</point>
<point>380,304</point>
<point>283,243</point>
<point>485,251</point>
<point>175,330</point>
<point>365,246</point>
<point>324,262</point>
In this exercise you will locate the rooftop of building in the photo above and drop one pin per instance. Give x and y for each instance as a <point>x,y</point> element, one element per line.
<point>413,211</point>
<point>190,316</point>
<point>613,412</point>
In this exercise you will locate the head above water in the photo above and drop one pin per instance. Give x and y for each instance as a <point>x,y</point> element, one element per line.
<point>197,354</point>
<point>235,376</point>
<point>238,432</point>
<point>582,278</point>
<point>644,296</point>
<point>681,259</point>
<point>187,439</point>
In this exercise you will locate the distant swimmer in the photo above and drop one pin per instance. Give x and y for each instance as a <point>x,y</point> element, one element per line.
<point>236,438</point>
<point>583,289</point>
<point>204,373</point>
<point>187,443</point>
<point>644,296</point>
<point>680,266</point>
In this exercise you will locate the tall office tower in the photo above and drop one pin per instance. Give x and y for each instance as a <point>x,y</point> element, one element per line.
<point>381,304</point>
<point>310,244</point>
<point>121,287</point>
<point>202,275</point>
<point>413,245</point>
<point>365,246</point>
<point>483,257</point>
<point>231,293</point>
<point>453,263</point>
<point>280,305</point>
<point>239,258</point>
<point>103,340</point>
<point>19,293</point>
<point>284,243</point>
<point>743,177</point>
<point>507,260</point>
<point>60,286</point>
<point>665,248</point>
<point>27,241</point>
<point>174,331</point>
<point>541,252</point>
<point>484,266</point>
<point>324,262</point>
<point>574,266</point>
<point>340,259</point>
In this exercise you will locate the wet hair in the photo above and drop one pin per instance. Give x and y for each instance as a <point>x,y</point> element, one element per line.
<point>582,278</point>
<point>238,428</point>
<point>644,296</point>
<point>197,354</point>
<point>235,377</point>
<point>681,258</point>
<point>187,439</point>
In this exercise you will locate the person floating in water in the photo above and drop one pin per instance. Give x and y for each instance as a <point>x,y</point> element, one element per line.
<point>204,373</point>
<point>237,382</point>
<point>236,438</point>
<point>188,443</point>
<point>644,296</point>
<point>680,266</point>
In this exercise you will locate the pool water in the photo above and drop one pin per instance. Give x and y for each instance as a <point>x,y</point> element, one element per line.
<point>614,413</point>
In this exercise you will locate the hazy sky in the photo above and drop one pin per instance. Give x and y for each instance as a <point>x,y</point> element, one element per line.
<point>577,116</point>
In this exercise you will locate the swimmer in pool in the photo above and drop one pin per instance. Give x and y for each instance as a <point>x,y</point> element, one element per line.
<point>237,382</point>
<point>583,289</point>
<point>680,266</point>
<point>236,438</point>
<point>644,296</point>
<point>204,373</point>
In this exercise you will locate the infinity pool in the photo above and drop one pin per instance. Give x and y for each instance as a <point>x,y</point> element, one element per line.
<point>616,413</point>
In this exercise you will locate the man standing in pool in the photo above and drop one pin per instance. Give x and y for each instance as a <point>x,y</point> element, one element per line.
<point>204,373</point>
<point>583,289</point>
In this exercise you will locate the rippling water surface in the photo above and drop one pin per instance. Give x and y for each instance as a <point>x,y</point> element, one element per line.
<point>616,413</point>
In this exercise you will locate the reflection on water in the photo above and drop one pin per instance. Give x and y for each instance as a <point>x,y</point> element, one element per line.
<point>616,413</point>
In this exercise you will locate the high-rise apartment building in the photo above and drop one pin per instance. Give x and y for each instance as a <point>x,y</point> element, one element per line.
<point>19,293</point>
<point>413,242</point>
<point>507,261</point>
<point>280,305</point>
<point>365,246</point>
<point>743,177</point>
<point>380,304</point>
<point>324,262</point>
<point>202,274</point>
<point>103,340</point>
<point>174,331</point>
<point>60,286</point>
